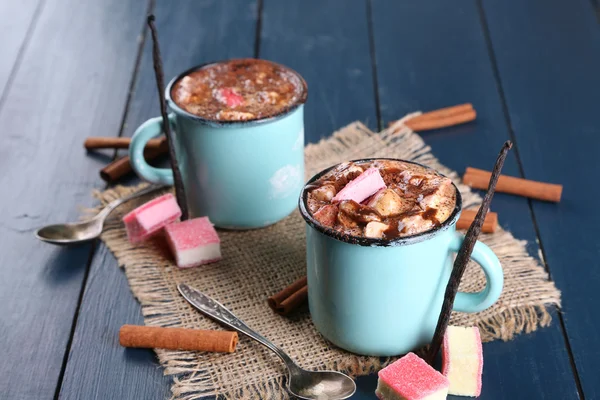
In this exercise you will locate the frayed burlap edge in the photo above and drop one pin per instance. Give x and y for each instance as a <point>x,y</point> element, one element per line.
<point>523,306</point>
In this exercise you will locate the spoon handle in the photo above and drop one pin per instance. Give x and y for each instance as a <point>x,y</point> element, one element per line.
<point>218,312</point>
<point>116,203</point>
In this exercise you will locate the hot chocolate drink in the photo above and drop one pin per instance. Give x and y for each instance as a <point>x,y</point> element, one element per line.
<point>384,199</point>
<point>239,90</point>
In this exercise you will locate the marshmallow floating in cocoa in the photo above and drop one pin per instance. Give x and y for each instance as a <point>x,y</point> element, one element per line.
<point>327,214</point>
<point>375,229</point>
<point>387,202</point>
<point>365,185</point>
<point>324,193</point>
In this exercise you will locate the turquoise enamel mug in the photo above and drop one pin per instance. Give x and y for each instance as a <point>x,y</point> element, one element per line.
<point>383,297</point>
<point>241,174</point>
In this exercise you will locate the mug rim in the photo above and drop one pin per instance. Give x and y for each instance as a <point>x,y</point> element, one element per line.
<point>377,242</point>
<point>218,123</point>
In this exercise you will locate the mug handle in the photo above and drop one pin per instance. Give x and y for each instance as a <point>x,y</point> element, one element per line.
<point>145,132</point>
<point>494,276</point>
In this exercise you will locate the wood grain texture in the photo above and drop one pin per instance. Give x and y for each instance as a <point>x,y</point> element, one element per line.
<point>508,359</point>
<point>553,101</point>
<point>328,43</point>
<point>429,54</point>
<point>438,57</point>
<point>14,34</point>
<point>98,366</point>
<point>194,32</point>
<point>72,82</point>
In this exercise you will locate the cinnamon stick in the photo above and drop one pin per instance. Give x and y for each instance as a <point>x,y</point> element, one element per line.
<point>478,179</point>
<point>290,297</point>
<point>154,337</point>
<point>425,122</point>
<point>468,216</point>
<point>122,166</point>
<point>97,142</point>
<point>463,257</point>
<point>444,112</point>
<point>442,118</point>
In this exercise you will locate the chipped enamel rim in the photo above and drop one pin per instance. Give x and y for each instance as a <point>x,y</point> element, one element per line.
<point>234,124</point>
<point>373,242</point>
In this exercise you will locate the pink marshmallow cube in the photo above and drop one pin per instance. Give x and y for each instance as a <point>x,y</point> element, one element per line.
<point>228,96</point>
<point>363,186</point>
<point>462,360</point>
<point>151,217</point>
<point>411,378</point>
<point>193,242</point>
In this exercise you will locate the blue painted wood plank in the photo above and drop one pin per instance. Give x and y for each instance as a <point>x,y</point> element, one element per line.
<point>548,61</point>
<point>194,32</point>
<point>498,358</point>
<point>328,43</point>
<point>98,367</point>
<point>432,54</point>
<point>72,82</point>
<point>16,25</point>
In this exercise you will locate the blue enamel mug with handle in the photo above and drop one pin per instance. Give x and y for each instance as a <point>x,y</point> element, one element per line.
<point>383,297</point>
<point>241,174</point>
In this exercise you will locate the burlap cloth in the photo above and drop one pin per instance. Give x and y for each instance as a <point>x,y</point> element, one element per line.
<point>259,263</point>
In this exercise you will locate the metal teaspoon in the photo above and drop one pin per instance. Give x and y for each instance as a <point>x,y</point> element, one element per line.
<point>309,385</point>
<point>84,231</point>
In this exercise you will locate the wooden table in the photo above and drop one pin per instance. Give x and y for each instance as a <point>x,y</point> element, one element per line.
<point>71,69</point>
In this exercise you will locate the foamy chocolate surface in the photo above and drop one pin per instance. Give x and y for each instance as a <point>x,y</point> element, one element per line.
<point>239,90</point>
<point>415,199</point>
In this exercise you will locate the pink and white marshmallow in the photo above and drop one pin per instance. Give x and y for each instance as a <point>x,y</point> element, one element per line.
<point>462,360</point>
<point>151,217</point>
<point>362,187</point>
<point>193,242</point>
<point>411,378</point>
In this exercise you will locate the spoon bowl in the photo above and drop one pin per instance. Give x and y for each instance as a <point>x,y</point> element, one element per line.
<point>84,231</point>
<point>320,384</point>
<point>62,234</point>
<point>307,385</point>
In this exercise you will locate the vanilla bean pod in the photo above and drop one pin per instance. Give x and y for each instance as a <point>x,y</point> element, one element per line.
<point>463,257</point>
<point>160,84</point>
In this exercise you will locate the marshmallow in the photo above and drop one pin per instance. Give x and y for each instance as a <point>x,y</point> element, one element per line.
<point>352,172</point>
<point>365,185</point>
<point>324,193</point>
<point>228,96</point>
<point>442,194</point>
<point>414,224</point>
<point>462,360</point>
<point>411,378</point>
<point>234,115</point>
<point>436,206</point>
<point>151,217</point>
<point>193,242</point>
<point>358,212</point>
<point>375,229</point>
<point>387,202</point>
<point>327,215</point>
